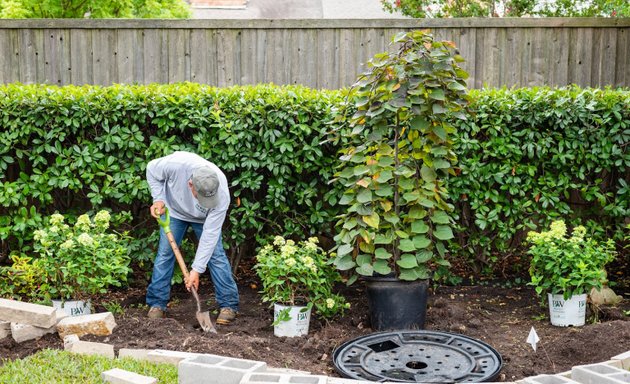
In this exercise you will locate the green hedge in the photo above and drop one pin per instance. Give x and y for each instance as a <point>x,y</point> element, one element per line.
<point>526,156</point>
<point>72,149</point>
<point>531,155</point>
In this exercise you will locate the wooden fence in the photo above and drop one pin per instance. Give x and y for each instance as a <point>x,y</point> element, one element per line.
<point>316,53</point>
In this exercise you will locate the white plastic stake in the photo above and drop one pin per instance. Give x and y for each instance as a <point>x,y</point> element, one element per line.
<point>533,338</point>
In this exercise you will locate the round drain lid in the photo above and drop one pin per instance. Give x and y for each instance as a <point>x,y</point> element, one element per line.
<point>417,357</point>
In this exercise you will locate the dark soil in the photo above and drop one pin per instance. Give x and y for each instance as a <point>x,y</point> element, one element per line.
<point>501,317</point>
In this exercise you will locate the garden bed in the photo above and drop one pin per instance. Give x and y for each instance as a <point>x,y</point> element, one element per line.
<point>501,317</point>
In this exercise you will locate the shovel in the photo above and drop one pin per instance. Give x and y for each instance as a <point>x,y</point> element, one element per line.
<point>202,317</point>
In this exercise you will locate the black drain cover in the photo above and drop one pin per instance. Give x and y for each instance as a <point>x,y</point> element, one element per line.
<point>417,357</point>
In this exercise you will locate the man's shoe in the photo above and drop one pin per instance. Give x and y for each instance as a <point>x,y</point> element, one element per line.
<point>155,313</point>
<point>226,316</point>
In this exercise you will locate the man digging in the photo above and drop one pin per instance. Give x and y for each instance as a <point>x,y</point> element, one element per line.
<point>195,191</point>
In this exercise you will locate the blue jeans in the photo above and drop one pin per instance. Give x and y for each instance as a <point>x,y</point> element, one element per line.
<point>159,291</point>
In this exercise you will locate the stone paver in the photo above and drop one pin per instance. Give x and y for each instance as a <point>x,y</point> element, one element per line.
<point>99,324</point>
<point>120,376</point>
<point>137,354</point>
<point>5,329</point>
<point>68,340</point>
<point>26,313</point>
<point>25,332</point>
<point>90,348</point>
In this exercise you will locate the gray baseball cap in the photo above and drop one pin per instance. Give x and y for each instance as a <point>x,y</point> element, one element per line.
<point>206,183</point>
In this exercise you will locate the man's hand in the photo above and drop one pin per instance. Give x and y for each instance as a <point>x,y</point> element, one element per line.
<point>157,209</point>
<point>193,280</point>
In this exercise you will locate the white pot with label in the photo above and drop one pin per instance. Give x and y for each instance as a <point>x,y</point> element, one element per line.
<point>296,326</point>
<point>73,307</point>
<point>566,313</point>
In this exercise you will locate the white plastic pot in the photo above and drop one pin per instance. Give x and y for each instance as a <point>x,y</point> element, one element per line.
<point>73,307</point>
<point>565,313</point>
<point>294,327</point>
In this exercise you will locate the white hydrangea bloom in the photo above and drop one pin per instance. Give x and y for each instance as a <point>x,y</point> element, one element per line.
<point>85,239</point>
<point>83,222</point>
<point>68,244</point>
<point>56,219</point>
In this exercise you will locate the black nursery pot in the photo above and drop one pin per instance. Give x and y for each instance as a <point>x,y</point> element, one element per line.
<point>397,304</point>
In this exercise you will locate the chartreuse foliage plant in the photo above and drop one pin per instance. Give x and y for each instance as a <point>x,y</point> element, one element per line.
<point>299,274</point>
<point>567,265</point>
<point>72,261</point>
<point>398,217</point>
<point>51,365</point>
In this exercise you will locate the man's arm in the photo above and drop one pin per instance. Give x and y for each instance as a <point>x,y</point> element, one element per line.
<point>207,243</point>
<point>157,174</point>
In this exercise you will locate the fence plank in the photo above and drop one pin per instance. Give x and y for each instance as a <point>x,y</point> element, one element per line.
<point>178,55</point>
<point>558,57</point>
<point>126,45</point>
<point>622,75</point>
<point>105,69</point>
<point>81,56</point>
<point>316,53</point>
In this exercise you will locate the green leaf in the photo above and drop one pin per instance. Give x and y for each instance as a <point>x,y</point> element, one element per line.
<point>382,267</point>
<point>424,256</point>
<point>440,217</point>
<point>406,245</point>
<point>344,249</point>
<point>437,94</point>
<point>382,253</point>
<point>440,131</point>
<point>383,239</point>
<point>419,227</point>
<point>384,176</point>
<point>419,123</point>
<point>407,261</point>
<point>373,220</point>
<point>421,241</point>
<point>428,174</point>
<point>443,232</point>
<point>364,196</point>
<point>344,263</point>
<point>364,259</point>
<point>365,270</point>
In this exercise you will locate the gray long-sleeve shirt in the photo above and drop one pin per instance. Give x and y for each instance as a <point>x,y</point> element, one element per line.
<point>168,179</point>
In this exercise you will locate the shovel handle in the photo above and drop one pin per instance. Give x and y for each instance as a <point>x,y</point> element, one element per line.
<point>171,240</point>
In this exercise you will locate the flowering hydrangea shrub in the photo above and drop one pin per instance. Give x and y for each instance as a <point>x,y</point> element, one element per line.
<point>79,260</point>
<point>299,274</point>
<point>568,265</point>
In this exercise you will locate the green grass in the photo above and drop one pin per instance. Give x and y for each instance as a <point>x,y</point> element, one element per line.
<point>56,366</point>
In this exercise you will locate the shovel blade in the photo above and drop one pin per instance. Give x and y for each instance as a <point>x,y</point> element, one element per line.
<point>204,321</point>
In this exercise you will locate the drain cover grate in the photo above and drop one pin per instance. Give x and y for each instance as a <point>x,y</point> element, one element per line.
<point>417,357</point>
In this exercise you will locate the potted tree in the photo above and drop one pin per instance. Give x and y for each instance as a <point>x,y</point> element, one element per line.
<point>296,278</point>
<point>399,153</point>
<point>566,269</point>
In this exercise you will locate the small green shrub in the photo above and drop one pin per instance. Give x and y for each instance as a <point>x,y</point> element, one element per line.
<point>73,262</point>
<point>299,274</point>
<point>567,265</point>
